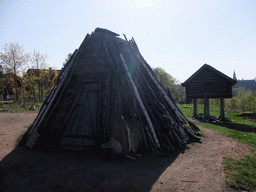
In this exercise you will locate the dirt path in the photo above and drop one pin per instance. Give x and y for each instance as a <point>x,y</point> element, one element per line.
<point>11,126</point>
<point>198,169</point>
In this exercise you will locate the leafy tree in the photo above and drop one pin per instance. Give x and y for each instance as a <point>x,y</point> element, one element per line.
<point>38,60</point>
<point>238,92</point>
<point>231,103</point>
<point>2,79</point>
<point>178,93</point>
<point>67,59</point>
<point>247,101</point>
<point>243,100</point>
<point>39,63</point>
<point>30,84</point>
<point>165,78</point>
<point>15,59</point>
<point>171,83</point>
<point>1,70</point>
<point>40,78</point>
<point>47,80</point>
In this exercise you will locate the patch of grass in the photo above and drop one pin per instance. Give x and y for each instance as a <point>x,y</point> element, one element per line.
<point>21,135</point>
<point>16,107</point>
<point>241,173</point>
<point>187,112</point>
<point>200,133</point>
<point>37,105</point>
<point>188,146</point>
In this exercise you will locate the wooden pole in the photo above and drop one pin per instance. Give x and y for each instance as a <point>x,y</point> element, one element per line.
<point>195,108</point>
<point>207,109</point>
<point>222,114</point>
<point>164,94</point>
<point>140,102</point>
<point>205,106</point>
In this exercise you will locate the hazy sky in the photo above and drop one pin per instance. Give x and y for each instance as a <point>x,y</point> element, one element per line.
<point>176,35</point>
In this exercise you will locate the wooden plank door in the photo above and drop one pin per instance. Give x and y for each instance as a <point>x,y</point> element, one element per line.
<point>81,128</point>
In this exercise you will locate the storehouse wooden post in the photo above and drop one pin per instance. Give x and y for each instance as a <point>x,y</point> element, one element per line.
<point>222,113</point>
<point>195,108</point>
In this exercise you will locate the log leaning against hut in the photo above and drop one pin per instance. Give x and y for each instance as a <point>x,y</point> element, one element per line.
<point>107,96</point>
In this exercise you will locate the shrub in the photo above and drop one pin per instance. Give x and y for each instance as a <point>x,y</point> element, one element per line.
<point>243,100</point>
<point>231,103</point>
<point>247,101</point>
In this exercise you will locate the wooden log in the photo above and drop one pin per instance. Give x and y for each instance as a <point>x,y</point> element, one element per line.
<point>6,102</point>
<point>169,142</point>
<point>178,114</point>
<point>125,37</point>
<point>178,139</point>
<point>186,128</point>
<point>123,83</point>
<point>131,148</point>
<point>164,94</point>
<point>187,132</point>
<point>107,94</point>
<point>68,77</point>
<point>151,140</point>
<point>140,103</point>
<point>193,126</point>
<point>144,138</point>
<point>147,83</point>
<point>192,135</point>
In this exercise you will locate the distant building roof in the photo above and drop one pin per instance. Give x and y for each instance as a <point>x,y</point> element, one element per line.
<point>36,71</point>
<point>248,84</point>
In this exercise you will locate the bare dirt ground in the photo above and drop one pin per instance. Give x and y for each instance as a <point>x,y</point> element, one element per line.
<point>197,169</point>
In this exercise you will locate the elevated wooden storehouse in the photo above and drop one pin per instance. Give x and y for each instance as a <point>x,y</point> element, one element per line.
<point>108,97</point>
<point>205,83</point>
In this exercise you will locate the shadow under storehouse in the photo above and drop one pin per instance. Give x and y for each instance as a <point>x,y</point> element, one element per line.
<point>29,170</point>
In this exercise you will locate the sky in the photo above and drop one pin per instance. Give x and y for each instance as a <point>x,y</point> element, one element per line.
<point>179,36</point>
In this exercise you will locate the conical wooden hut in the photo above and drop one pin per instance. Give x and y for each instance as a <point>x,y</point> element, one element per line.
<point>107,96</point>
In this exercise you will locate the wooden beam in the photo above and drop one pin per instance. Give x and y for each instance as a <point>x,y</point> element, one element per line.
<point>195,108</point>
<point>207,109</point>
<point>150,125</point>
<point>222,113</point>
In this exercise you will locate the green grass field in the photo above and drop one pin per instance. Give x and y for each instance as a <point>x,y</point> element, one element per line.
<point>241,173</point>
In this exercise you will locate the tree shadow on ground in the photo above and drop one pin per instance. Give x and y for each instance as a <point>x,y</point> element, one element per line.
<point>235,126</point>
<point>227,123</point>
<point>29,170</point>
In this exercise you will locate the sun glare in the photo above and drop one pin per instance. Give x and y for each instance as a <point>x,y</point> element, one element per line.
<point>143,5</point>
